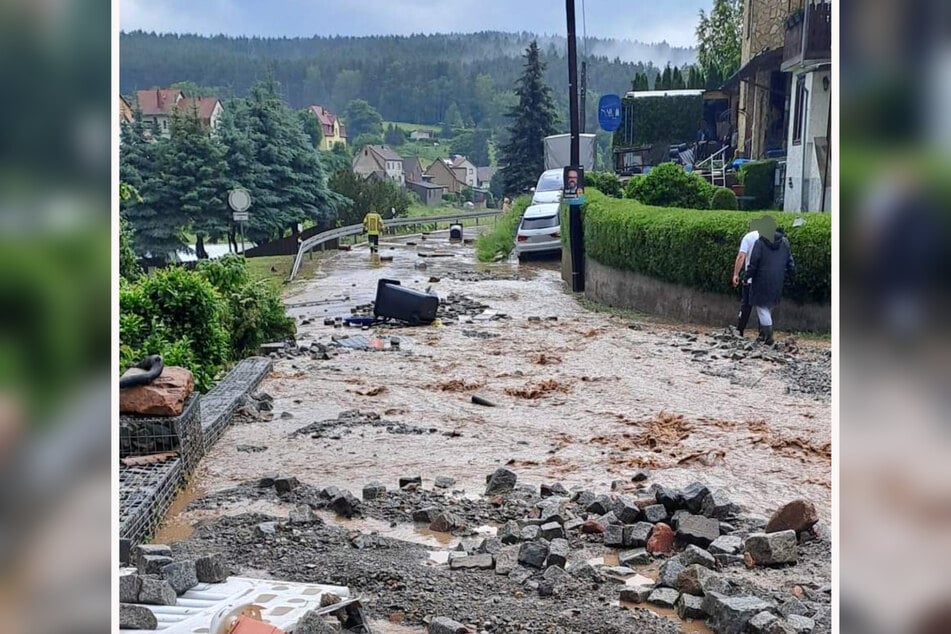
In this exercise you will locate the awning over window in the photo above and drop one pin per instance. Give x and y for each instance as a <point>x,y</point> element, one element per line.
<point>770,59</point>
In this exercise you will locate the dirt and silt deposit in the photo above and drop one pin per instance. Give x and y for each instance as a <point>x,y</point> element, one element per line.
<point>583,399</point>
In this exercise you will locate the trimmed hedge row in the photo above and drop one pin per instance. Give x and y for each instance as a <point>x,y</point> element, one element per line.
<point>501,239</point>
<point>698,248</point>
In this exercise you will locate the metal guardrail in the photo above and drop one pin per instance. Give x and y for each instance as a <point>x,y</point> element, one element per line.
<point>354,230</point>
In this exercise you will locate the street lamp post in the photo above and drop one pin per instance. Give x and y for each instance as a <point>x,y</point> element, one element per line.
<point>576,229</point>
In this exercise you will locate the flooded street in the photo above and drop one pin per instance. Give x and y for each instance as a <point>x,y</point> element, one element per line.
<point>583,398</point>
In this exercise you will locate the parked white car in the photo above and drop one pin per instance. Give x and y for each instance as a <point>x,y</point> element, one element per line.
<point>539,230</point>
<point>549,187</point>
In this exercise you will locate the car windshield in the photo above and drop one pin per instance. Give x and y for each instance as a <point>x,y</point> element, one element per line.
<point>549,182</point>
<point>545,222</point>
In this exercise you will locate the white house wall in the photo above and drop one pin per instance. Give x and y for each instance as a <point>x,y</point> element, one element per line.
<point>803,176</point>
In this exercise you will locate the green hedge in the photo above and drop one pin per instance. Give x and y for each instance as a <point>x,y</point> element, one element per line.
<point>698,248</point>
<point>658,120</point>
<point>724,199</point>
<point>758,180</point>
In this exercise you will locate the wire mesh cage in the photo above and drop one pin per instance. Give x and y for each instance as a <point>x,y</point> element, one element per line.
<point>148,435</point>
<point>145,493</point>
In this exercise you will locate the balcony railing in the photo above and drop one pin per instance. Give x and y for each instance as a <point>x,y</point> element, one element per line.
<point>809,38</point>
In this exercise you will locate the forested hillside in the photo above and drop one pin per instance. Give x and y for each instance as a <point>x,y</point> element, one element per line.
<point>414,79</point>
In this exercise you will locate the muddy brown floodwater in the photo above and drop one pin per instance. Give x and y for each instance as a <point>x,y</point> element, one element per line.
<point>583,399</point>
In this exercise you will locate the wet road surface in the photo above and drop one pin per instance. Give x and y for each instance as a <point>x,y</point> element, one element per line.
<point>584,399</point>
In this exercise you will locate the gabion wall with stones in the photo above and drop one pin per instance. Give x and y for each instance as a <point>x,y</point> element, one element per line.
<point>146,491</point>
<point>182,434</point>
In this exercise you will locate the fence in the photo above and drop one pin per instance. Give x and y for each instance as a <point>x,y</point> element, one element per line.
<point>354,230</point>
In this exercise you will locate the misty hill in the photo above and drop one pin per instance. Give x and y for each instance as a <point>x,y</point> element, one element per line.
<point>407,78</point>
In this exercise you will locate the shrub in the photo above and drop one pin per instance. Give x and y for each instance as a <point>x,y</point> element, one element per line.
<point>724,198</point>
<point>199,319</point>
<point>255,314</point>
<point>668,185</point>
<point>605,182</point>
<point>697,249</point>
<point>501,240</point>
<point>757,179</point>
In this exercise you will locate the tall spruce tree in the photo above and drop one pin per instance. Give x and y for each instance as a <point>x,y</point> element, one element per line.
<point>159,229</point>
<point>194,181</point>
<point>677,80</point>
<point>277,164</point>
<point>533,119</point>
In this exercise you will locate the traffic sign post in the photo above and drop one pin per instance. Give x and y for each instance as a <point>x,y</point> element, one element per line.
<point>240,201</point>
<point>609,112</point>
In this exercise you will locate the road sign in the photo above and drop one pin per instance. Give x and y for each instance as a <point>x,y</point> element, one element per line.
<point>239,200</point>
<point>609,112</point>
<point>240,216</point>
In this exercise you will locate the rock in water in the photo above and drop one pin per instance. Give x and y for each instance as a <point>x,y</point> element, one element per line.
<point>798,515</point>
<point>730,615</point>
<point>502,481</point>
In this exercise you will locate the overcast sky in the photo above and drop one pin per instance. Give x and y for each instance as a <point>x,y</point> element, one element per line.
<point>644,20</point>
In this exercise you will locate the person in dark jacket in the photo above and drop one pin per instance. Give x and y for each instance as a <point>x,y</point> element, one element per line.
<point>770,261</point>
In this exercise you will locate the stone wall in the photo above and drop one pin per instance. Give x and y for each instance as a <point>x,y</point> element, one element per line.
<point>766,26</point>
<point>625,289</point>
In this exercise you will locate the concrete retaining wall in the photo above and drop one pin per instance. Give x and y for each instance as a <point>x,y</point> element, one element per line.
<point>634,291</point>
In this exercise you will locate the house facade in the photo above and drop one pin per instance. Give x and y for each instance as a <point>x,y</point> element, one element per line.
<point>465,171</point>
<point>421,135</point>
<point>442,173</point>
<point>333,131</point>
<point>760,86</point>
<point>379,161</point>
<point>412,170</point>
<point>158,105</point>
<point>430,194</point>
<point>125,111</point>
<point>484,176</point>
<point>807,57</point>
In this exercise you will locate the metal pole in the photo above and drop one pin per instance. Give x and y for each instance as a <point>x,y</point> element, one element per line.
<point>584,95</point>
<point>241,228</point>
<point>576,229</point>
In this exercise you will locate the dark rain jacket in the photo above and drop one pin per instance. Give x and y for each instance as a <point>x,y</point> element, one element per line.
<point>770,261</point>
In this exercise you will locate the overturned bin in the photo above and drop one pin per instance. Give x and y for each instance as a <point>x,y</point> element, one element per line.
<point>455,232</point>
<point>405,304</point>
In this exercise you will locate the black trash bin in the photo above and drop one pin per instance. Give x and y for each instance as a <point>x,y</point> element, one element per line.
<point>396,302</point>
<point>455,233</point>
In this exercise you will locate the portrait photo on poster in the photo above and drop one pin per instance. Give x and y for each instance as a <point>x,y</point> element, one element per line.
<point>574,185</point>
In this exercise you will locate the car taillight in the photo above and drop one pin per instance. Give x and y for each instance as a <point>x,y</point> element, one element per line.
<point>557,234</point>
<point>522,238</point>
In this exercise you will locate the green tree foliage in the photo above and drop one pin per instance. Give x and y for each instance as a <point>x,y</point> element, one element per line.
<point>757,178</point>
<point>192,171</point>
<point>129,268</point>
<point>311,126</point>
<point>366,139</point>
<point>666,80</point>
<point>718,38</point>
<point>159,230</point>
<point>695,78</point>
<point>640,82</point>
<point>658,120</point>
<point>605,182</point>
<point>368,194</point>
<point>394,135</point>
<point>474,145</point>
<point>452,121</point>
<point>277,164</point>
<point>362,118</point>
<point>193,90</point>
<point>677,80</point>
<point>532,119</point>
<point>725,199</point>
<point>497,186</point>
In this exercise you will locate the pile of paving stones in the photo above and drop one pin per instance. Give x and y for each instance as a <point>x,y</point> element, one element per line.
<point>725,354</point>
<point>714,562</point>
<point>159,579</point>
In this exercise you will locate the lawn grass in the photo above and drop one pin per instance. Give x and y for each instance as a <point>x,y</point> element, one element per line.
<point>275,269</point>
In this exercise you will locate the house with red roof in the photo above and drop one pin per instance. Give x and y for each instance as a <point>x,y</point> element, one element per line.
<point>158,104</point>
<point>333,131</point>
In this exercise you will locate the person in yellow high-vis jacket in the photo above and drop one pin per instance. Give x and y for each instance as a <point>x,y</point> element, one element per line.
<point>373,225</point>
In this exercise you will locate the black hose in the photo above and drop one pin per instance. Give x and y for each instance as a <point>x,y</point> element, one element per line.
<point>153,367</point>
